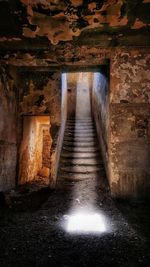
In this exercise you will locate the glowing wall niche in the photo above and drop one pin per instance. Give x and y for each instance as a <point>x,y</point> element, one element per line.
<point>33,149</point>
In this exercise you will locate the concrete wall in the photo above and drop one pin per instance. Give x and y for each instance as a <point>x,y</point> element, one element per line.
<point>8,130</point>
<point>129,147</point>
<point>100,109</point>
<point>59,142</point>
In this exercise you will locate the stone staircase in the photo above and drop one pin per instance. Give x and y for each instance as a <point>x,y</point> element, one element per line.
<point>80,157</point>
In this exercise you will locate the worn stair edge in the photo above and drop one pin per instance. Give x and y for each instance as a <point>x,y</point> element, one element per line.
<point>80,139</point>
<point>80,126</point>
<point>81,149</point>
<point>80,120</point>
<point>80,169</point>
<point>85,155</point>
<point>80,134</point>
<point>81,161</point>
<point>79,177</point>
<point>80,144</point>
<point>80,130</point>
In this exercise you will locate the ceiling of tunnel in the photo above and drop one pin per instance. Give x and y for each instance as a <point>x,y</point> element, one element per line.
<point>81,21</point>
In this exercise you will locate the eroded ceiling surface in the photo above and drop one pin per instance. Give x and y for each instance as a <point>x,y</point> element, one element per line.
<point>72,20</point>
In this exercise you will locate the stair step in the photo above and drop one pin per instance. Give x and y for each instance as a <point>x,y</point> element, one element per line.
<point>80,130</point>
<point>76,155</point>
<point>80,120</point>
<point>80,169</point>
<point>84,127</point>
<point>92,134</point>
<point>78,177</point>
<point>80,139</point>
<point>80,133</point>
<point>81,161</point>
<point>81,149</point>
<point>80,144</point>
<point>81,123</point>
<point>90,123</point>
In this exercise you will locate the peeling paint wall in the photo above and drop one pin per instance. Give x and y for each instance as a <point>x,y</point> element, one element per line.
<point>100,109</point>
<point>130,76</point>
<point>40,94</point>
<point>65,20</point>
<point>8,130</point>
<point>130,123</point>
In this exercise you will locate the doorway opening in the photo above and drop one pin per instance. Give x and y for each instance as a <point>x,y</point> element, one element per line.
<point>86,131</point>
<point>35,150</point>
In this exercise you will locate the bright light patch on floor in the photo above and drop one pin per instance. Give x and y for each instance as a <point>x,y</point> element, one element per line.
<point>88,223</point>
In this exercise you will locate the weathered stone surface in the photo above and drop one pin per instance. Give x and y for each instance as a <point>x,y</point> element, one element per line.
<point>8,130</point>
<point>40,94</point>
<point>130,76</point>
<point>129,150</point>
<point>130,124</point>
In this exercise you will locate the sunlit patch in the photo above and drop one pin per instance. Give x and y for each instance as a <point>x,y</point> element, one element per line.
<point>86,223</point>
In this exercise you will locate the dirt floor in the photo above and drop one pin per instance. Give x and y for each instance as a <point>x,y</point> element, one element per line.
<point>37,229</point>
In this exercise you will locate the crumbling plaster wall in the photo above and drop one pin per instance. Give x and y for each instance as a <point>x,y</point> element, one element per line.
<point>40,94</point>
<point>8,129</point>
<point>63,20</point>
<point>129,143</point>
